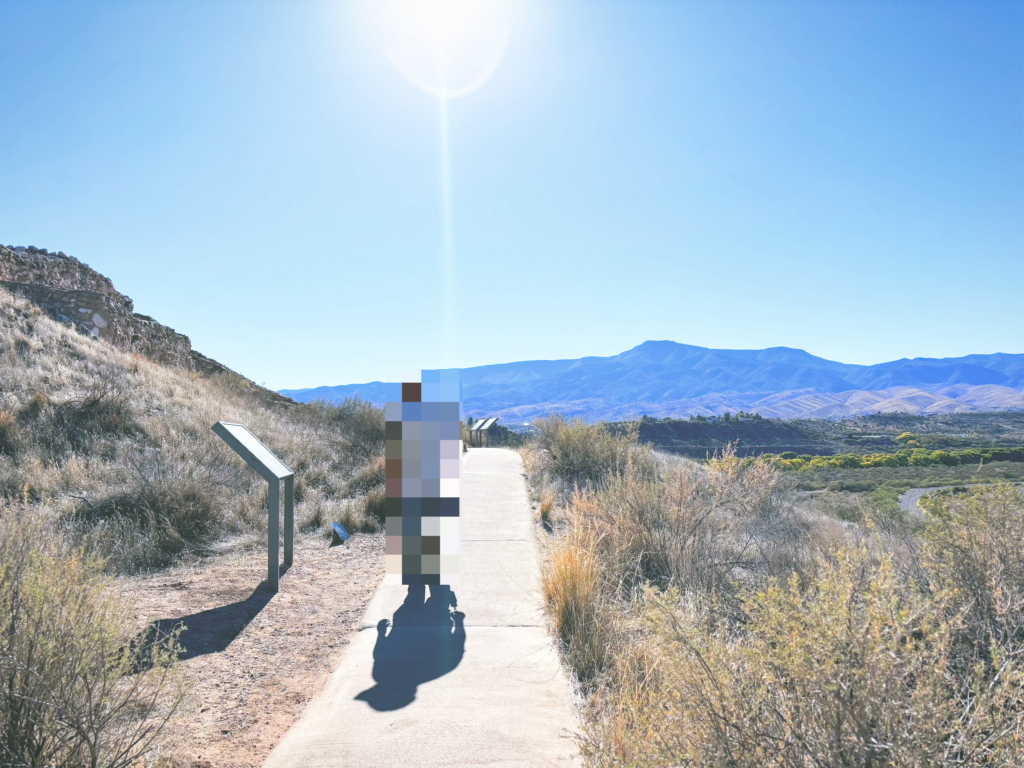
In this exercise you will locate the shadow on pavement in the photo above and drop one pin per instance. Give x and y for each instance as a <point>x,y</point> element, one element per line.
<point>426,641</point>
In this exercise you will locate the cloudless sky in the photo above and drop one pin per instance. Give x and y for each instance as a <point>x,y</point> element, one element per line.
<point>846,177</point>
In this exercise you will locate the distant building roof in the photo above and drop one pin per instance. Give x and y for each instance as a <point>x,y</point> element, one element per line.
<point>481,424</point>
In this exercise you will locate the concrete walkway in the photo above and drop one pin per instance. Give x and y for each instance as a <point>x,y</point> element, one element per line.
<point>480,686</point>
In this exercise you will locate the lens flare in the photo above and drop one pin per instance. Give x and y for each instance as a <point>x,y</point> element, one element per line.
<point>448,49</point>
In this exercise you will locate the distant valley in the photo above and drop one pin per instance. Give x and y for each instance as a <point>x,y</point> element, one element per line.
<point>665,378</point>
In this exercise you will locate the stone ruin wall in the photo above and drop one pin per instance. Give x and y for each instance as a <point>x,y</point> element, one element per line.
<point>36,266</point>
<point>74,294</point>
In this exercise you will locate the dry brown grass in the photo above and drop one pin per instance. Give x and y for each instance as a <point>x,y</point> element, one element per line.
<point>709,621</point>
<point>116,451</point>
<point>571,586</point>
<point>569,455</point>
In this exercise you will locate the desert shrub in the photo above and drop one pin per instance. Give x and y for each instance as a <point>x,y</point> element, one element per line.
<point>167,500</point>
<point>148,527</point>
<point>682,529</point>
<point>851,659</point>
<point>374,509</point>
<point>851,486</point>
<point>570,455</point>
<point>360,509</point>
<point>881,506</point>
<point>316,512</point>
<point>368,477</point>
<point>73,690</point>
<point>545,508</point>
<point>8,439</point>
<point>74,426</point>
<point>503,437</point>
<point>360,515</point>
<point>56,430</point>
<point>706,620</point>
<point>360,422</point>
<point>842,506</point>
<point>887,512</point>
<point>846,668</point>
<point>364,423</point>
<point>973,554</point>
<point>703,529</point>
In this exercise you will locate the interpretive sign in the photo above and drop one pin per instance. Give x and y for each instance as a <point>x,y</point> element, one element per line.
<point>273,470</point>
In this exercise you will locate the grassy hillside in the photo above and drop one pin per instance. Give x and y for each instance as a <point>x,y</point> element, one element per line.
<point>115,451</point>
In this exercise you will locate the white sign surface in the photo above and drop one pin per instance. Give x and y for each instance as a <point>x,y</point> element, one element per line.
<point>255,453</point>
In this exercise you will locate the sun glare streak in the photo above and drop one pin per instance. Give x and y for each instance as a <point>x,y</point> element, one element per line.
<point>487,70</point>
<point>447,49</point>
<point>447,240</point>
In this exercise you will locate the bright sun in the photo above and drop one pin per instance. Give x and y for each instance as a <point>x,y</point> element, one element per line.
<point>448,48</point>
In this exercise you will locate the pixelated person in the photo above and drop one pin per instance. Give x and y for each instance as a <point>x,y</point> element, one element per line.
<point>421,468</point>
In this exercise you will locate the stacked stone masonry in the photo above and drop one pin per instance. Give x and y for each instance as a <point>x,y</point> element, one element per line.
<point>72,293</point>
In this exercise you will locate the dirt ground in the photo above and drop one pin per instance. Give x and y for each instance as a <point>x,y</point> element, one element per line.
<point>254,660</point>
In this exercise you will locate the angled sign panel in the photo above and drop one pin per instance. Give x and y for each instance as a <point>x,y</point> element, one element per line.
<point>256,454</point>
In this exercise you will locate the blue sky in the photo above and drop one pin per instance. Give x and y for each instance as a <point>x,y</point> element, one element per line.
<point>843,177</point>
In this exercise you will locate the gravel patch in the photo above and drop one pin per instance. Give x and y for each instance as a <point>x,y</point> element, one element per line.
<point>254,660</point>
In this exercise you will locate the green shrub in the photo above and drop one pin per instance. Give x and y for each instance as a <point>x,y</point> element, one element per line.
<point>840,506</point>
<point>850,486</point>
<point>919,457</point>
<point>968,456</point>
<point>886,510</point>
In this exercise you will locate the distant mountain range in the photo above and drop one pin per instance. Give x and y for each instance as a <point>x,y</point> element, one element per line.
<point>664,378</point>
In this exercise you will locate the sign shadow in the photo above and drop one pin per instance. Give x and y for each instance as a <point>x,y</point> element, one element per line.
<point>210,631</point>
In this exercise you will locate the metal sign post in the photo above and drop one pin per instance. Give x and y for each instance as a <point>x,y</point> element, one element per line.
<point>273,470</point>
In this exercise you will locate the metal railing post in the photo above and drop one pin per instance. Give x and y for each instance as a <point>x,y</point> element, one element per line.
<point>289,519</point>
<point>273,531</point>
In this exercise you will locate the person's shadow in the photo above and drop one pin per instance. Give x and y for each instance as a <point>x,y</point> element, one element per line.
<point>426,641</point>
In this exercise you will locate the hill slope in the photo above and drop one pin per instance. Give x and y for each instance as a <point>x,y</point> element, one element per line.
<point>663,378</point>
<point>115,449</point>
